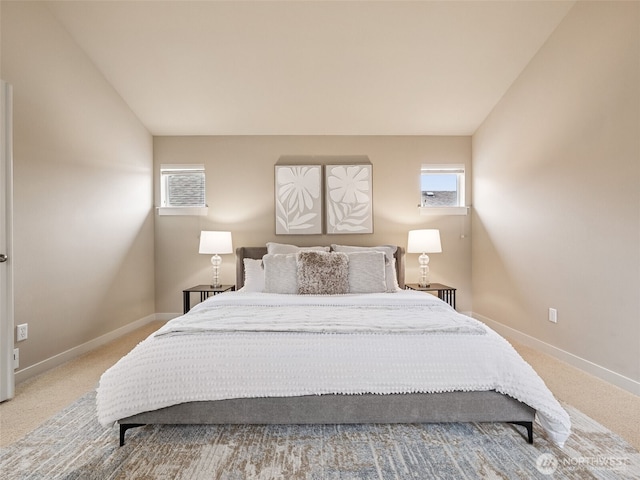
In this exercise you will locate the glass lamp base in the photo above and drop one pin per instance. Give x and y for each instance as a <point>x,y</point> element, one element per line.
<point>216,261</point>
<point>424,271</point>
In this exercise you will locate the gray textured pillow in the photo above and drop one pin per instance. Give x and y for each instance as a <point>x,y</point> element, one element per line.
<point>322,273</point>
<point>367,272</point>
<point>389,250</point>
<point>280,273</point>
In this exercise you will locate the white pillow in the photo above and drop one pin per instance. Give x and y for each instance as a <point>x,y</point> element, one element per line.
<point>280,273</point>
<point>391,277</point>
<point>286,248</point>
<point>367,272</point>
<point>253,275</point>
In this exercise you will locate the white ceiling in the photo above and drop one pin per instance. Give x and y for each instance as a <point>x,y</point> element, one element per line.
<point>320,68</point>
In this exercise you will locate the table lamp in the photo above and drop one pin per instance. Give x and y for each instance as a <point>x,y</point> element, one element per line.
<point>215,243</point>
<point>424,241</point>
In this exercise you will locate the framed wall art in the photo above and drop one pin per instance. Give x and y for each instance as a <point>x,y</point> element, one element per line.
<point>348,199</point>
<point>298,192</point>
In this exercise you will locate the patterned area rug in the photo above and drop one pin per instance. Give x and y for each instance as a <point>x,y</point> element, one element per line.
<point>72,445</point>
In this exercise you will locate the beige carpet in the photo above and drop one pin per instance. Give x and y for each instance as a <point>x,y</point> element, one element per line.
<point>39,398</point>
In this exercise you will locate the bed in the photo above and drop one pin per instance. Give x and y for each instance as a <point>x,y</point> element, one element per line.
<point>399,374</point>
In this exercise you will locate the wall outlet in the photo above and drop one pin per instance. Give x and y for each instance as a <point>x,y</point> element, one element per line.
<point>23,332</point>
<point>553,315</point>
<point>16,358</point>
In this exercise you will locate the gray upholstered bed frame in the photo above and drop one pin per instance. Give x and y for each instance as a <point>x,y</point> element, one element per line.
<point>487,406</point>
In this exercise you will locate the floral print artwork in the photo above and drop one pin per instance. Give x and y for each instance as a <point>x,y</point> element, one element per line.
<point>349,199</point>
<point>298,202</point>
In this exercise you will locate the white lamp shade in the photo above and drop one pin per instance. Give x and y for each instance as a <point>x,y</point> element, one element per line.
<point>424,241</point>
<point>215,242</point>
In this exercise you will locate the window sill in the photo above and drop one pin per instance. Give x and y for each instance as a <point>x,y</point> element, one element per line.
<point>199,211</point>
<point>444,210</point>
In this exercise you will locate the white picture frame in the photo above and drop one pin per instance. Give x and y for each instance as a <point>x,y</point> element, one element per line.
<point>348,199</point>
<point>298,198</point>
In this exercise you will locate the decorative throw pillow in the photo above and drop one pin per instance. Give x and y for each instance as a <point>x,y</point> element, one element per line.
<point>367,272</point>
<point>391,276</point>
<point>322,273</point>
<point>253,275</point>
<point>273,247</point>
<point>280,273</point>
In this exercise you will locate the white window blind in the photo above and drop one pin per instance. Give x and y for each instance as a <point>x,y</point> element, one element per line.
<point>182,186</point>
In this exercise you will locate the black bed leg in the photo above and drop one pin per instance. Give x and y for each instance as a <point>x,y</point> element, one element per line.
<point>529,427</point>
<point>126,426</point>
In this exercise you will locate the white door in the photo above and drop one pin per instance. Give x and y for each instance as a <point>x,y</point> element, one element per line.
<point>7,378</point>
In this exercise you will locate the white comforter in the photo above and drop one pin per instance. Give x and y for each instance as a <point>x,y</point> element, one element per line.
<point>241,345</point>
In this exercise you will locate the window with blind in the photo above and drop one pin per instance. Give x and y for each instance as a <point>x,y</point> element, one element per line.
<point>182,186</point>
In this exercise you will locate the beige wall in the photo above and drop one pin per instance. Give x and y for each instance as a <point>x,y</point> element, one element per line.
<point>83,191</point>
<point>240,189</point>
<point>557,193</point>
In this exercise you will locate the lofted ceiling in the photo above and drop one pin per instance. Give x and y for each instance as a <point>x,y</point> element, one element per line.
<point>310,68</point>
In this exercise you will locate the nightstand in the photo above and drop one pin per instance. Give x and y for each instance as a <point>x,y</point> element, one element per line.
<point>446,293</point>
<point>205,292</point>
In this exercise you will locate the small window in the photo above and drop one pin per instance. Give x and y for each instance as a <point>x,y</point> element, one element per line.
<point>182,186</point>
<point>442,186</point>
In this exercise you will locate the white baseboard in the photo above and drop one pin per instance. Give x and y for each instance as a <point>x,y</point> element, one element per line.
<point>59,359</point>
<point>587,366</point>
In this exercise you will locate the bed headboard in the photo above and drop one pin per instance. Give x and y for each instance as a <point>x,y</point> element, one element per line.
<point>259,252</point>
